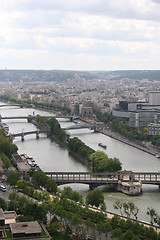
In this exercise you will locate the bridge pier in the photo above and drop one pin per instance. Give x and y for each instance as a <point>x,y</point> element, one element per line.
<point>71,119</point>
<point>93,186</point>
<point>30,118</point>
<point>37,135</point>
<point>22,137</point>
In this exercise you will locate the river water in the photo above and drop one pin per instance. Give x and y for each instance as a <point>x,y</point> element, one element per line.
<point>51,157</point>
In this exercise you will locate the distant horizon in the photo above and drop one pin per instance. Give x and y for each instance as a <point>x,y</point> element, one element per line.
<point>74,70</point>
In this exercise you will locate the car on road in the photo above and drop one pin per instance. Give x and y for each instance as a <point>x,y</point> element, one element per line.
<point>2,187</point>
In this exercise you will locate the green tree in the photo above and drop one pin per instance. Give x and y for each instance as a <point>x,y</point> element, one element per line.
<point>133,209</point>
<point>152,214</point>
<point>117,232</point>
<point>70,194</point>
<point>13,178</point>
<point>128,235</point>
<point>126,209</point>
<point>6,161</point>
<point>21,184</point>
<point>6,146</point>
<point>76,222</point>
<point>54,227</point>
<point>100,162</point>
<point>24,218</point>
<point>39,178</point>
<point>3,204</point>
<point>95,198</point>
<point>118,205</point>
<point>51,185</point>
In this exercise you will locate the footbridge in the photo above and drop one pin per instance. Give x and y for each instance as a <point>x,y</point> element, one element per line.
<point>22,134</point>
<point>80,126</point>
<point>29,118</point>
<point>18,117</point>
<point>98,179</point>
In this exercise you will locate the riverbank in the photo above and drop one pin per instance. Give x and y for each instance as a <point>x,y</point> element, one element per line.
<point>145,146</point>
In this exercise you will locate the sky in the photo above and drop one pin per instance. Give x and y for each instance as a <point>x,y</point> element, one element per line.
<point>80,34</point>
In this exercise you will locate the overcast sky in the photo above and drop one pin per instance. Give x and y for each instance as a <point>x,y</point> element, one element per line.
<point>80,34</point>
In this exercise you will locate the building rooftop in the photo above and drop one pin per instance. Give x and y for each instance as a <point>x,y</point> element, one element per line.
<point>10,217</point>
<point>25,227</point>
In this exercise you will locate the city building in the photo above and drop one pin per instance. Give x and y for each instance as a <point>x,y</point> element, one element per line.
<point>154,98</point>
<point>154,129</point>
<point>21,230</point>
<point>25,229</point>
<point>141,118</point>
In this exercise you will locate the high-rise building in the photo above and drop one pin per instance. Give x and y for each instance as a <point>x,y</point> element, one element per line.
<point>154,98</point>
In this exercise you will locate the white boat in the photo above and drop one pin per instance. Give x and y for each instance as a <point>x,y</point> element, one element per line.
<point>157,156</point>
<point>5,126</point>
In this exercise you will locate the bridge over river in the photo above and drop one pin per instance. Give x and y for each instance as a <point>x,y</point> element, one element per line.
<point>29,118</point>
<point>98,179</point>
<point>22,134</point>
<point>37,132</point>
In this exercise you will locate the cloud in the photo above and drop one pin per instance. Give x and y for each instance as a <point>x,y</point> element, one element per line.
<point>82,30</point>
<point>126,9</point>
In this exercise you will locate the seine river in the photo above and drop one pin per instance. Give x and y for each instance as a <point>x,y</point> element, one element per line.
<point>51,157</point>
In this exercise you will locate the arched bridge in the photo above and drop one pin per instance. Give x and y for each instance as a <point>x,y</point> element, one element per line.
<point>98,179</point>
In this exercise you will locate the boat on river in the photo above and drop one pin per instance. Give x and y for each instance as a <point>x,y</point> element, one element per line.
<point>5,127</point>
<point>102,145</point>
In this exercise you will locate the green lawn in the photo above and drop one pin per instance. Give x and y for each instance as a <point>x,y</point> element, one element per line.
<point>8,233</point>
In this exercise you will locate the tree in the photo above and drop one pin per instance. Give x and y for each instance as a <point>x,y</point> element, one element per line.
<point>6,161</point>
<point>100,162</point>
<point>128,235</point>
<point>21,184</point>
<point>134,211</point>
<point>51,185</point>
<point>76,222</point>
<point>117,232</point>
<point>6,146</point>
<point>39,178</point>
<point>24,218</point>
<point>3,204</point>
<point>127,208</point>
<point>54,227</point>
<point>119,206</point>
<point>152,214</point>
<point>95,198</point>
<point>13,178</point>
<point>70,194</point>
